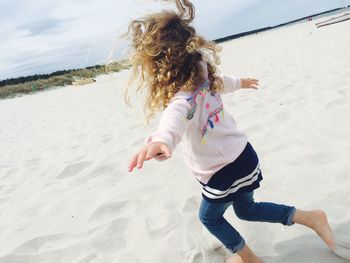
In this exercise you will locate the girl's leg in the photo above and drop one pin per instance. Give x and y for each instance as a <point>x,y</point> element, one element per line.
<point>211,215</point>
<point>247,209</point>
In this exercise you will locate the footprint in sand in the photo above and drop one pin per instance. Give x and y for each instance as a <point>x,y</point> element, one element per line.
<point>42,243</point>
<point>103,170</point>
<point>337,103</point>
<point>116,228</point>
<point>110,237</point>
<point>33,161</point>
<point>73,147</point>
<point>197,257</point>
<point>3,200</point>
<point>128,257</point>
<point>56,248</point>
<point>320,158</point>
<point>9,172</point>
<point>107,138</point>
<point>342,241</point>
<point>342,247</point>
<point>191,205</point>
<point>171,224</point>
<point>9,189</point>
<point>215,255</point>
<point>73,169</point>
<point>80,157</point>
<point>110,210</point>
<point>89,258</point>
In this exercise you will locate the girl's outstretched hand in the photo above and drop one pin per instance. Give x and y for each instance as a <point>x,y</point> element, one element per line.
<point>156,150</point>
<point>249,83</point>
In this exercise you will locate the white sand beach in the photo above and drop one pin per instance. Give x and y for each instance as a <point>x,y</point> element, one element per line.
<point>66,195</point>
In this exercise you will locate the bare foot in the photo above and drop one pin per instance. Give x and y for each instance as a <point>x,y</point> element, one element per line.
<point>234,259</point>
<point>237,259</point>
<point>316,220</point>
<point>245,256</point>
<point>322,228</point>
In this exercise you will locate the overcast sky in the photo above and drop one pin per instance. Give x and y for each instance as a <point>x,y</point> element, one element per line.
<point>42,36</point>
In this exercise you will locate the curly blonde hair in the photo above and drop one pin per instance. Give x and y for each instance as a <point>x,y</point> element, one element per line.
<point>165,55</point>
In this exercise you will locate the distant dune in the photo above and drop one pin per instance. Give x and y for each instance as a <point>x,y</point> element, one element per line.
<point>219,40</point>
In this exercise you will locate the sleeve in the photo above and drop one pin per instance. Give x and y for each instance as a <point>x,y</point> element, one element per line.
<point>173,124</point>
<point>231,83</point>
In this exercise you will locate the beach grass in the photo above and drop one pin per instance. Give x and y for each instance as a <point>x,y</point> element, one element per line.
<point>30,84</point>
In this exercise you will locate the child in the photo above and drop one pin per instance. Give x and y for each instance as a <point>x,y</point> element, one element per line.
<point>178,69</point>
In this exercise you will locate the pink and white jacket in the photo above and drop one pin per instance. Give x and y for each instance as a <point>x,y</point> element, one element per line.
<point>210,136</point>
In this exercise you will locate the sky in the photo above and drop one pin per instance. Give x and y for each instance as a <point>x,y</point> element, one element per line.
<point>43,36</point>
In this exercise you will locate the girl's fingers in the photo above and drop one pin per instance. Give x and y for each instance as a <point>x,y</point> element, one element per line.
<point>166,151</point>
<point>148,153</point>
<point>250,83</point>
<point>141,158</point>
<point>151,153</point>
<point>157,149</point>
<point>253,83</point>
<point>137,160</point>
<point>253,87</point>
<point>133,163</point>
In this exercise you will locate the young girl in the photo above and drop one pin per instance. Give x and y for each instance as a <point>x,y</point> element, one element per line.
<point>178,69</point>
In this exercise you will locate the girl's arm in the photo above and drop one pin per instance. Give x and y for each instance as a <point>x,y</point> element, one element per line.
<point>232,83</point>
<point>161,144</point>
<point>148,152</point>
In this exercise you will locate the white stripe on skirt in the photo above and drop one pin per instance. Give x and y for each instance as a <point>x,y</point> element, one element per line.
<point>245,181</point>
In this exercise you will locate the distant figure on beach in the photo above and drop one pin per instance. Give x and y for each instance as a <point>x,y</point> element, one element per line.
<point>178,69</point>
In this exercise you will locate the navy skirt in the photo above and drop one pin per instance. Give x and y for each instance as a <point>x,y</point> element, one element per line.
<point>241,176</point>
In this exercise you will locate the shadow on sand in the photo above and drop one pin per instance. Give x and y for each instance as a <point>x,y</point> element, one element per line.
<point>309,249</point>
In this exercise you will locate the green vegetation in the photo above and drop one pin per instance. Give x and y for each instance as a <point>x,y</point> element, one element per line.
<point>34,83</point>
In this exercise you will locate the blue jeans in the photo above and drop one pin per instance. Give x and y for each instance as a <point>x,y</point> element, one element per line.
<point>211,215</point>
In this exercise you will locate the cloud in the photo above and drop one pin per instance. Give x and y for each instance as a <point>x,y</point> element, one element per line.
<point>42,26</point>
<point>41,36</point>
<point>214,19</point>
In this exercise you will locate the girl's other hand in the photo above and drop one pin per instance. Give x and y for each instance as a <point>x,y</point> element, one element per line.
<point>156,150</point>
<point>249,83</point>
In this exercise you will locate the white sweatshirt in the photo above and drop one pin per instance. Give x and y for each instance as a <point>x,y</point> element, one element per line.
<point>210,137</point>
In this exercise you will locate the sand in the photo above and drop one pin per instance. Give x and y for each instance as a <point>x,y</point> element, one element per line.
<point>66,195</point>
